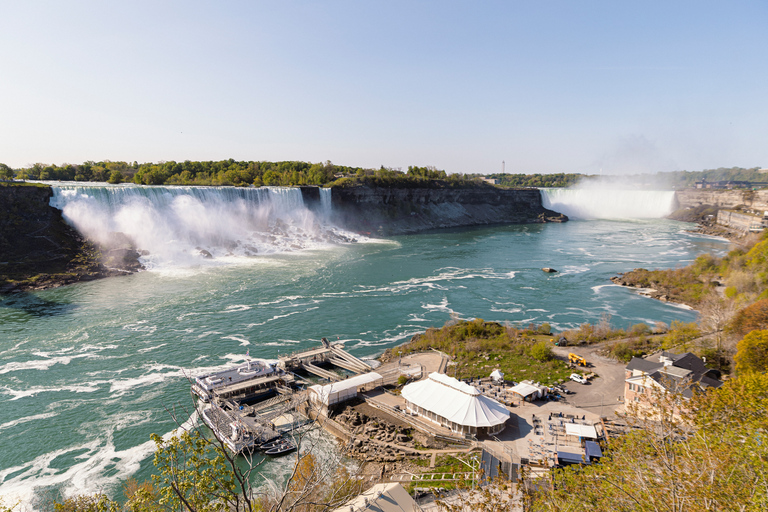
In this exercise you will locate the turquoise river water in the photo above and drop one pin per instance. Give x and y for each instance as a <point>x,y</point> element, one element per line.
<point>88,371</point>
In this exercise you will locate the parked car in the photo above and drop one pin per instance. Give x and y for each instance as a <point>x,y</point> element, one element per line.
<point>578,378</point>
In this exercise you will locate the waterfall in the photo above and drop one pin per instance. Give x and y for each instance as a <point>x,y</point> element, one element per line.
<point>595,203</point>
<point>325,202</point>
<point>183,225</point>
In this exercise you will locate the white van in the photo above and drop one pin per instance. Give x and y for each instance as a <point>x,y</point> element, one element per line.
<point>578,378</point>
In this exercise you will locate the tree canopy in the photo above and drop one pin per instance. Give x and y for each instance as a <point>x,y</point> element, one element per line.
<point>752,352</point>
<point>753,317</point>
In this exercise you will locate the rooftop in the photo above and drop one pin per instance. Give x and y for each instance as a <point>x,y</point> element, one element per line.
<point>455,401</point>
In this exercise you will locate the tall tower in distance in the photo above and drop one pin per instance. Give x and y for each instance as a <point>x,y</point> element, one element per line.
<point>503,164</point>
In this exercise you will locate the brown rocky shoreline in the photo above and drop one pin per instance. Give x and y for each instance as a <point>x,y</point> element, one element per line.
<point>625,279</point>
<point>39,250</point>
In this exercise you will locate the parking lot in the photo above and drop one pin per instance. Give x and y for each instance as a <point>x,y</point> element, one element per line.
<point>604,394</point>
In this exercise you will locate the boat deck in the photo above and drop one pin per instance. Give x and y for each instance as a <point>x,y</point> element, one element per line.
<point>258,382</point>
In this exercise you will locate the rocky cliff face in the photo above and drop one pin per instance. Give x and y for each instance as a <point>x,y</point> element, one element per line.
<point>692,198</point>
<point>390,211</point>
<point>39,250</point>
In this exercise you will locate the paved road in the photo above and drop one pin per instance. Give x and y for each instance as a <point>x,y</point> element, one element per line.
<point>605,393</point>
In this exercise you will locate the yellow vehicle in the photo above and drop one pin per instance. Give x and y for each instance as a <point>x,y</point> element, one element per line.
<point>573,358</point>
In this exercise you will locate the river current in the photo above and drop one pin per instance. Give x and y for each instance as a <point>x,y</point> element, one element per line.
<point>89,371</point>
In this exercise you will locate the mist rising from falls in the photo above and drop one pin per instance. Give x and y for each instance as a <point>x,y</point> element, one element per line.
<point>184,225</point>
<point>596,203</point>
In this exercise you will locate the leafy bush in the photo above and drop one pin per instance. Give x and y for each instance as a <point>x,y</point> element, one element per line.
<point>541,351</point>
<point>635,347</point>
<point>680,335</point>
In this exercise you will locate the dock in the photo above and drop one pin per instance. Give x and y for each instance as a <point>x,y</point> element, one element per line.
<point>331,353</point>
<point>243,408</point>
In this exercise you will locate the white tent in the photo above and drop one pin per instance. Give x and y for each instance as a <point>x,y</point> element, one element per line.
<point>588,431</point>
<point>497,375</point>
<point>525,390</point>
<point>343,390</point>
<point>455,404</point>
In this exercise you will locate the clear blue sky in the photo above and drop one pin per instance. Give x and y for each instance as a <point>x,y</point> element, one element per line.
<point>547,86</point>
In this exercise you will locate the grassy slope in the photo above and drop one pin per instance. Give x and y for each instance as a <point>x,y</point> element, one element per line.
<point>478,347</point>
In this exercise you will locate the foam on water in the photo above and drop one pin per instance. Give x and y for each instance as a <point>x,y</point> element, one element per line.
<point>243,342</point>
<point>36,390</point>
<point>39,364</point>
<point>150,349</point>
<point>97,465</point>
<point>277,317</point>
<point>26,419</point>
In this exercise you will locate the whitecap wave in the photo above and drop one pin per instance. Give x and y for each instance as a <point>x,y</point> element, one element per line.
<point>17,394</point>
<point>27,419</point>
<point>236,308</point>
<point>149,349</point>
<point>243,342</point>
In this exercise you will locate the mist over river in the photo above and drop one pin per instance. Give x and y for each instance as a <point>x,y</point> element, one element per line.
<point>88,371</point>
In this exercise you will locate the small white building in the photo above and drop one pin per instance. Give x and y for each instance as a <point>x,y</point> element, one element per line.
<point>343,390</point>
<point>455,405</point>
<point>529,391</point>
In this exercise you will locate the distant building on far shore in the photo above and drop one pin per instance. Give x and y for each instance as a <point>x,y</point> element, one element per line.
<point>729,184</point>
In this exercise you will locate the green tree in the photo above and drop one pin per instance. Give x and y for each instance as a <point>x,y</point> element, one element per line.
<point>195,475</point>
<point>680,335</point>
<point>752,352</point>
<point>6,173</point>
<point>541,351</point>
<point>115,177</point>
<point>87,503</point>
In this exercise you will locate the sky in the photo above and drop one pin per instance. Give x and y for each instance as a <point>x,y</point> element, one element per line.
<point>471,87</point>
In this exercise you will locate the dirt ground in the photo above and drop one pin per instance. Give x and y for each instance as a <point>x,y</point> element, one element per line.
<point>372,412</point>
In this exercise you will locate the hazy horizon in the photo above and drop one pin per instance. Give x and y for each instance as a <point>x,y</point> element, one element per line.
<point>590,88</point>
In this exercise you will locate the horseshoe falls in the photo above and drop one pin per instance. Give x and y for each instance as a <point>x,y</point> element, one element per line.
<point>89,371</point>
<point>595,203</point>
